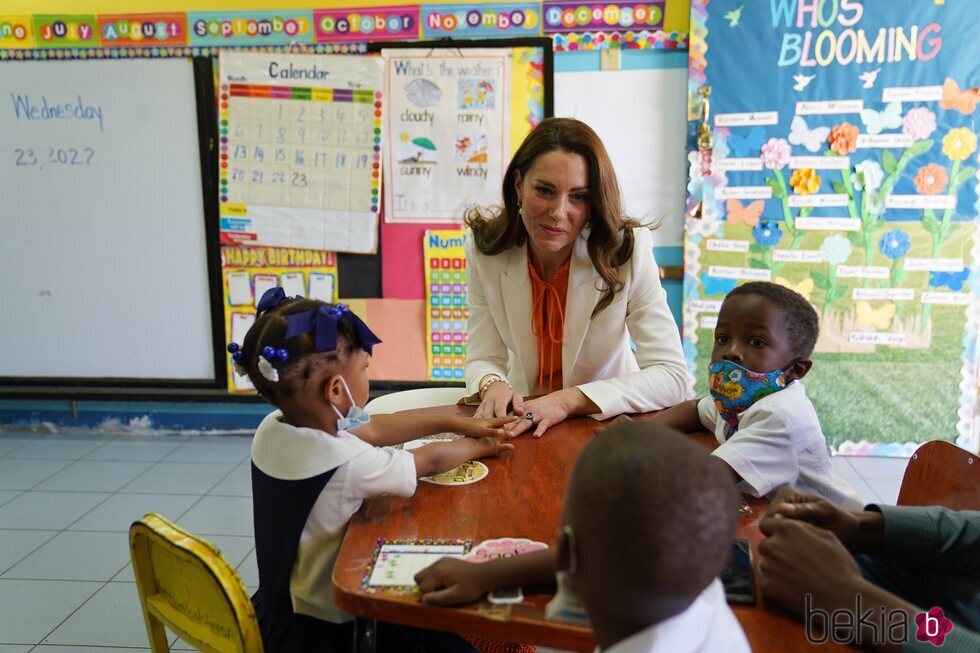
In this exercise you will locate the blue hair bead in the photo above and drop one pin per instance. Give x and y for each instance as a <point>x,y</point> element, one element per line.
<point>238,356</point>
<point>233,347</point>
<point>282,355</point>
<point>269,352</point>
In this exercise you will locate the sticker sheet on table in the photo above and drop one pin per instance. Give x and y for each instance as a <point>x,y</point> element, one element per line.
<point>445,299</point>
<point>300,150</point>
<point>845,167</point>
<point>247,272</point>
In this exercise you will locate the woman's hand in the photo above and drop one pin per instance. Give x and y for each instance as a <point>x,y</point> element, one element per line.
<point>540,414</point>
<point>497,400</point>
<point>485,428</point>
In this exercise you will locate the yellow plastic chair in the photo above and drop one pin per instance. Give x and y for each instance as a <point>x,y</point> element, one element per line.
<point>186,585</point>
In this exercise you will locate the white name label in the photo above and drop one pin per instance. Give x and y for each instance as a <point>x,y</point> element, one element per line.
<point>753,274</point>
<point>912,94</point>
<point>744,193</point>
<point>721,245</point>
<point>893,294</point>
<point>957,298</point>
<point>746,164</point>
<point>934,264</point>
<point>861,272</point>
<point>826,199</point>
<point>828,224</point>
<point>709,321</point>
<point>871,338</point>
<point>829,106</point>
<point>920,202</point>
<point>797,255</point>
<point>706,305</point>
<point>820,162</point>
<point>883,140</point>
<point>741,119</point>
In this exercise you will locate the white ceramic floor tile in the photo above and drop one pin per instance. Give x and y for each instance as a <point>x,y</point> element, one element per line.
<point>74,555</point>
<point>112,617</point>
<point>248,571</point>
<point>179,478</point>
<point>879,468</point>
<point>7,495</point>
<point>118,512</point>
<point>17,545</point>
<point>887,491</point>
<point>30,609</point>
<point>24,474</point>
<point>236,484</point>
<point>56,449</point>
<point>15,648</point>
<point>94,476</point>
<point>864,491</point>
<point>236,450</point>
<point>47,510</point>
<point>220,516</point>
<point>8,444</point>
<point>144,451</point>
<point>73,648</point>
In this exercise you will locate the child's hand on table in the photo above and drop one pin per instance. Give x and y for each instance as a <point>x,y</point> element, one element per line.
<point>453,582</point>
<point>485,428</point>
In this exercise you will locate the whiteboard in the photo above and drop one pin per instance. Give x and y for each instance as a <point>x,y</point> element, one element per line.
<point>103,262</point>
<point>641,117</point>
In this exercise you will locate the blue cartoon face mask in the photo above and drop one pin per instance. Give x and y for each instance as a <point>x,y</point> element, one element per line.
<point>735,388</point>
<point>356,416</point>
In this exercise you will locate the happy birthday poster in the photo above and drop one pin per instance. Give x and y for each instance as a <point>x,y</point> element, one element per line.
<point>844,166</point>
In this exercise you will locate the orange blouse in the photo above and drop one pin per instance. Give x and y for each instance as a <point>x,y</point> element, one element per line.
<point>548,324</point>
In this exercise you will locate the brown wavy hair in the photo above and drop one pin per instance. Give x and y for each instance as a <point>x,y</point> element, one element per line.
<point>610,242</point>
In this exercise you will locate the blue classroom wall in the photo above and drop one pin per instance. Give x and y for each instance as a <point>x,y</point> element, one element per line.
<point>216,416</point>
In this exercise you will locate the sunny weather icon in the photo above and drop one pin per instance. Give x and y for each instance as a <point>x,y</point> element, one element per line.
<point>416,150</point>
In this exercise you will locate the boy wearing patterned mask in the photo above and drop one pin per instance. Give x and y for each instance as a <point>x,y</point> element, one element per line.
<point>767,429</point>
<point>318,456</point>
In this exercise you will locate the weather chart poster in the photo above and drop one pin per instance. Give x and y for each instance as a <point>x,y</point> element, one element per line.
<point>447,131</point>
<point>844,166</point>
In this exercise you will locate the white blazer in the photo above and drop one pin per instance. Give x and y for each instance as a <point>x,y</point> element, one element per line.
<point>596,353</point>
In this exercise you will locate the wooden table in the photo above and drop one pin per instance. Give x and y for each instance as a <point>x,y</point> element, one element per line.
<point>522,497</point>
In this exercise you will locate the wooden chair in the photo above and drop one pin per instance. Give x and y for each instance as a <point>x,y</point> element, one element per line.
<point>186,585</point>
<point>941,474</point>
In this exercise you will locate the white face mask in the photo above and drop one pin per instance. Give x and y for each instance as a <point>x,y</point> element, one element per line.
<point>356,416</point>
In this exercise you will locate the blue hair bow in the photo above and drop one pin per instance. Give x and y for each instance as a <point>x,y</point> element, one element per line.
<point>322,322</point>
<point>270,299</point>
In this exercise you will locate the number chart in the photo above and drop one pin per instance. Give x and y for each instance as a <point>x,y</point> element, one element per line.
<point>445,294</point>
<point>300,150</point>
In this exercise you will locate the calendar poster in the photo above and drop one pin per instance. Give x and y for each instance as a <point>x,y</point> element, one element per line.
<point>844,166</point>
<point>445,297</point>
<point>447,131</point>
<point>247,272</point>
<point>300,150</point>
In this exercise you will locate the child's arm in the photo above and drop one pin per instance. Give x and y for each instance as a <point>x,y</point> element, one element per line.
<point>443,456</point>
<point>385,430</point>
<point>454,582</point>
<point>683,417</point>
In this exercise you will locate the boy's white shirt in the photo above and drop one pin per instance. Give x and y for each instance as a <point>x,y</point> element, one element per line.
<point>708,625</point>
<point>778,444</point>
<point>363,470</point>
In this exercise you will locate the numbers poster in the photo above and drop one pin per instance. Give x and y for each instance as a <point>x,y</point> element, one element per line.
<point>445,299</point>
<point>247,272</point>
<point>844,166</point>
<point>300,150</point>
<point>447,131</point>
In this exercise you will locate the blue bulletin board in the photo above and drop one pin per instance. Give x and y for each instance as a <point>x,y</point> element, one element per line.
<point>844,165</point>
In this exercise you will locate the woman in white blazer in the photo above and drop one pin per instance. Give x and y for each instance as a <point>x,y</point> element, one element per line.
<point>560,281</point>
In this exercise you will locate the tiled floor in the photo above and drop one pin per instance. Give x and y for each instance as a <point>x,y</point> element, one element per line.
<point>67,500</point>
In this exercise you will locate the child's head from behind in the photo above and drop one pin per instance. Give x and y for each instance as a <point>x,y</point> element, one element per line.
<point>649,520</point>
<point>307,357</point>
<point>764,327</point>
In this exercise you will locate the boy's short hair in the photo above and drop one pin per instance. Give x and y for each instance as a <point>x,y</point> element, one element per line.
<point>304,361</point>
<point>654,514</point>
<point>801,319</point>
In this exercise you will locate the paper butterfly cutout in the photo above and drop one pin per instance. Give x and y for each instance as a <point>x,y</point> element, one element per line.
<point>713,286</point>
<point>811,139</point>
<point>964,101</point>
<point>750,144</point>
<point>804,288</point>
<point>952,280</point>
<point>748,214</point>
<point>878,121</point>
<point>880,317</point>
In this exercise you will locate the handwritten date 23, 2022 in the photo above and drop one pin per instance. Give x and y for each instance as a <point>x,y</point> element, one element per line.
<point>67,156</point>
